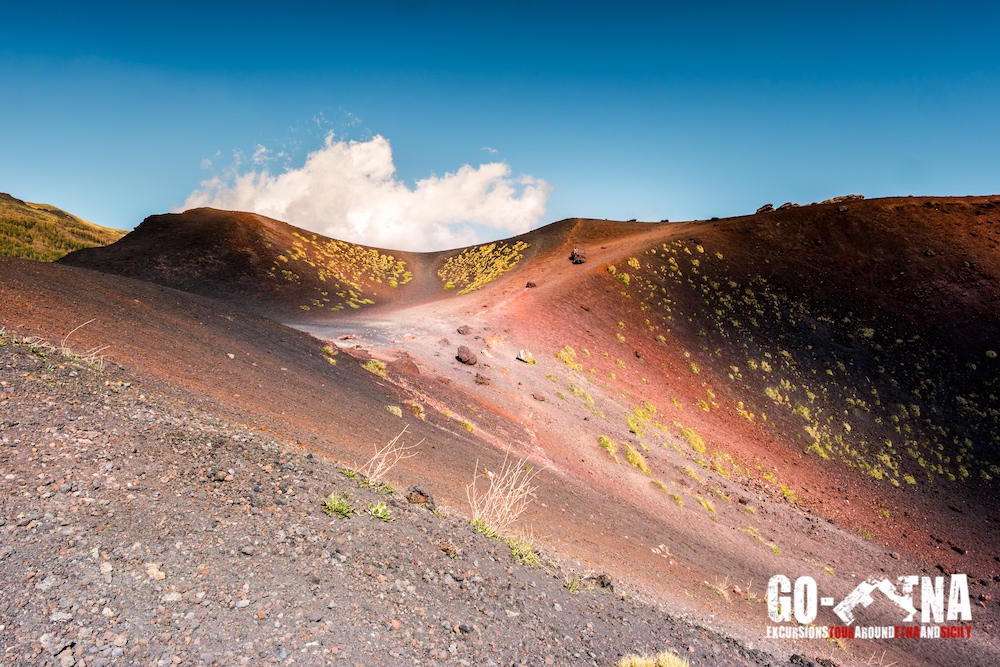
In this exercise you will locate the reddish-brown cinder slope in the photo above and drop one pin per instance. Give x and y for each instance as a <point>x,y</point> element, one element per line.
<point>800,392</point>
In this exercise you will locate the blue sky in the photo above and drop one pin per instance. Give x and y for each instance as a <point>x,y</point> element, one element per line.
<point>619,110</point>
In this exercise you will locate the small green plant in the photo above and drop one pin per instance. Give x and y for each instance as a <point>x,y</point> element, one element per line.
<point>721,495</point>
<point>568,356</point>
<point>788,493</point>
<point>609,446</point>
<point>572,584</point>
<point>375,366</point>
<point>349,474</point>
<point>696,442</point>
<point>468,427</point>
<point>829,570</point>
<point>754,533</point>
<point>693,475</point>
<point>339,504</point>
<point>704,503</point>
<point>633,456</point>
<point>380,511</point>
<point>394,410</point>
<point>865,534</point>
<point>523,551</point>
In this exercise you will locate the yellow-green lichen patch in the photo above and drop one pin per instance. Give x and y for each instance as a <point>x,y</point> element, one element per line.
<point>351,274</point>
<point>478,266</point>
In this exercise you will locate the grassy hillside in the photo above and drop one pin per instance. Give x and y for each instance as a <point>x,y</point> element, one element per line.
<point>46,233</point>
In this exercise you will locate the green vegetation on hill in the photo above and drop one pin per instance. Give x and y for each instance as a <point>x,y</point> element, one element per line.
<point>478,266</point>
<point>46,233</point>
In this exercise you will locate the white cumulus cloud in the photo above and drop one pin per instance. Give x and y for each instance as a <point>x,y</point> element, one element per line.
<point>349,190</point>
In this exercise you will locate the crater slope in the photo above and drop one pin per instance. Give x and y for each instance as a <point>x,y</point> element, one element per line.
<point>805,391</point>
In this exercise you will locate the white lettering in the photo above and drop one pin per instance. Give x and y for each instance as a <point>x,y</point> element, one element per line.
<point>779,608</point>
<point>805,600</point>
<point>958,599</point>
<point>931,599</point>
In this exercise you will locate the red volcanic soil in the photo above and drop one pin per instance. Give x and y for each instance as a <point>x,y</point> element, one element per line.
<point>805,392</point>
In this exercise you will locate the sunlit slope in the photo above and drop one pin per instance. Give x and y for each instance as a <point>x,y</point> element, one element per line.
<point>273,268</point>
<point>46,233</point>
<point>866,331</point>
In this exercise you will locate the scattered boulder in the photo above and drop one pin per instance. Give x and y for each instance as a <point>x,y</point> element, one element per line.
<point>841,209</point>
<point>766,208</point>
<point>466,356</point>
<point>418,496</point>
<point>787,205</point>
<point>843,198</point>
<point>404,364</point>
<point>530,285</point>
<point>464,329</point>
<point>538,397</point>
<point>579,255</point>
<point>525,356</point>
<point>603,580</point>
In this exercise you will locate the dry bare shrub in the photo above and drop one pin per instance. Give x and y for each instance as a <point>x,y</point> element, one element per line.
<point>385,458</point>
<point>43,348</point>
<point>498,499</point>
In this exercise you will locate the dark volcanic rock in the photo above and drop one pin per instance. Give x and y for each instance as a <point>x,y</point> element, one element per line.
<point>464,329</point>
<point>419,496</point>
<point>579,255</point>
<point>766,208</point>
<point>466,356</point>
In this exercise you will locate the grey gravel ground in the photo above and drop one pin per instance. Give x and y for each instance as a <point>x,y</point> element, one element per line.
<point>138,530</point>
